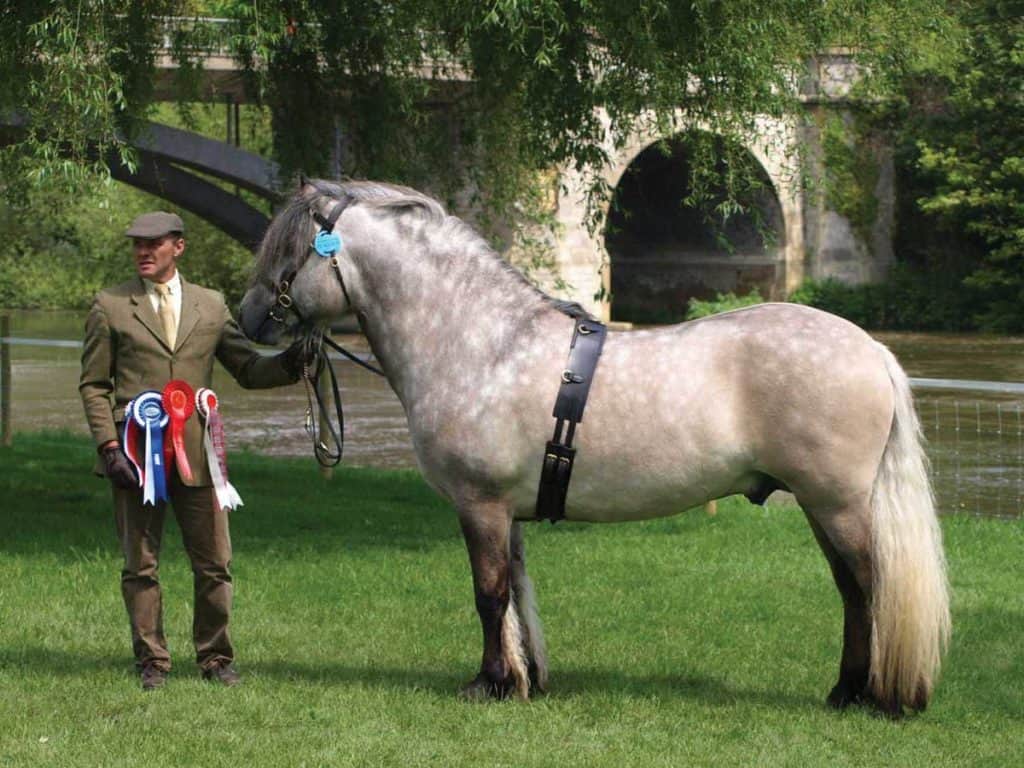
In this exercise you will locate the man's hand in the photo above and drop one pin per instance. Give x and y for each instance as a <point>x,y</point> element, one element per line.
<point>119,469</point>
<point>293,359</point>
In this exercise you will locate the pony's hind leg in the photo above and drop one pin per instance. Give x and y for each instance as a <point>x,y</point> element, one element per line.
<point>844,537</point>
<point>529,620</point>
<point>503,669</point>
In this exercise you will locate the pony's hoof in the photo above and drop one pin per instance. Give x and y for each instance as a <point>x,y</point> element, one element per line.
<point>892,709</point>
<point>841,697</point>
<point>480,688</point>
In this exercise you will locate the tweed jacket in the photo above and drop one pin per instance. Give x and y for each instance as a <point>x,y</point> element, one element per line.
<point>125,353</point>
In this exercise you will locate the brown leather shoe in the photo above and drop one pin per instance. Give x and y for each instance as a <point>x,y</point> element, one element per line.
<point>153,677</point>
<point>224,673</point>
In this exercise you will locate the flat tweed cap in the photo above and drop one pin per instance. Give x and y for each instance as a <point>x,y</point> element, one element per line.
<point>155,224</point>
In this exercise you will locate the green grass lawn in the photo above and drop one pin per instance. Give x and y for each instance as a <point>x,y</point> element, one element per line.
<point>692,640</point>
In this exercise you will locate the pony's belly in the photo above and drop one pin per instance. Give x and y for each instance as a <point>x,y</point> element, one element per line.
<point>619,476</point>
<point>637,498</point>
<point>615,493</point>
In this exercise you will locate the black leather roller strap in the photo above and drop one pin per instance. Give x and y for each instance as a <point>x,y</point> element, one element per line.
<point>587,342</point>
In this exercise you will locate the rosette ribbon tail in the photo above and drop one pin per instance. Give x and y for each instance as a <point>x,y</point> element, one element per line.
<point>130,441</point>
<point>227,496</point>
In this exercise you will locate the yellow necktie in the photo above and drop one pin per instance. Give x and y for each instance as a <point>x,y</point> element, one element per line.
<point>166,311</point>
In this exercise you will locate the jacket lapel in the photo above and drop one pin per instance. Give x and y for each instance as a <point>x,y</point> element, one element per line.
<point>190,313</point>
<point>143,311</point>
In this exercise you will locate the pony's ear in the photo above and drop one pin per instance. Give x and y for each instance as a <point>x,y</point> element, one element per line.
<point>307,186</point>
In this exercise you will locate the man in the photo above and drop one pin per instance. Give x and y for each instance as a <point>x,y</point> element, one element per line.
<point>138,336</point>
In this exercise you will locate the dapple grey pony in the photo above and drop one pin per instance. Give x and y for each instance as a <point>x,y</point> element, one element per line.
<point>776,396</point>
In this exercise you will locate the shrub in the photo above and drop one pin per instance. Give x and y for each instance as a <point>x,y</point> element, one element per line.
<point>723,302</point>
<point>911,300</point>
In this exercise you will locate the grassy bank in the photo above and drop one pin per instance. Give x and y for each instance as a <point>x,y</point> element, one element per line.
<point>693,640</point>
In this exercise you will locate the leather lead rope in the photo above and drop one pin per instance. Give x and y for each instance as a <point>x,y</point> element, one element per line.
<point>316,360</point>
<point>354,358</point>
<point>587,342</point>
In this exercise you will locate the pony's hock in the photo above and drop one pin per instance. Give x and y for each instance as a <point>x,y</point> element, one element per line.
<point>476,356</point>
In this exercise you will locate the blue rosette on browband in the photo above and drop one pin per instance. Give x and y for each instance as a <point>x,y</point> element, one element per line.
<point>326,243</point>
<point>149,415</point>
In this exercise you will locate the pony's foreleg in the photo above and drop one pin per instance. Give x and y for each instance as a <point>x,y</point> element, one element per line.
<point>526,606</point>
<point>503,669</point>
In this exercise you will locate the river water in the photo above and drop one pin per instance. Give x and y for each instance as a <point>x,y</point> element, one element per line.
<point>271,421</point>
<point>976,440</point>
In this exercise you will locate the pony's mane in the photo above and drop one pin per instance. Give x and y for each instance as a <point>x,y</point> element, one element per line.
<point>286,242</point>
<point>382,196</point>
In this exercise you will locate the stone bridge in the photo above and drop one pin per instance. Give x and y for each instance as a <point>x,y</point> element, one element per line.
<point>648,264</point>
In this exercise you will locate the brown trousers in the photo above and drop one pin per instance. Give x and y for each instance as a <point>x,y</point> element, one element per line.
<point>204,529</point>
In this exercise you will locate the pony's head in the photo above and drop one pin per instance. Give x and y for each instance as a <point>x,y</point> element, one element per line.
<point>292,284</point>
<point>301,271</point>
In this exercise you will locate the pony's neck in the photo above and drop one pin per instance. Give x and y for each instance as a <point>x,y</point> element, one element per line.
<point>427,310</point>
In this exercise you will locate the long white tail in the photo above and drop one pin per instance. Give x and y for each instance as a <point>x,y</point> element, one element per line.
<point>526,605</point>
<point>910,601</point>
<point>512,645</point>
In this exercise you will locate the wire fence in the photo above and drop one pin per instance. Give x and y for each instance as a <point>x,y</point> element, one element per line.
<point>976,449</point>
<point>974,432</point>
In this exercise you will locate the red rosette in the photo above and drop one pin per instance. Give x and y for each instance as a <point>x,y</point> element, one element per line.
<point>179,402</point>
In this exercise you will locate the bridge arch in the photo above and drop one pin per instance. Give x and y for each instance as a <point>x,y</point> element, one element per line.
<point>170,160</point>
<point>662,252</point>
<point>179,166</point>
<point>585,262</point>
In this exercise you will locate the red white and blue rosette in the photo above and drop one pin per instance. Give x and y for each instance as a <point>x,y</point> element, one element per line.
<point>149,416</point>
<point>216,451</point>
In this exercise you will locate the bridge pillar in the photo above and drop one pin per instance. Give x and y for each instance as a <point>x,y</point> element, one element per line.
<point>849,207</point>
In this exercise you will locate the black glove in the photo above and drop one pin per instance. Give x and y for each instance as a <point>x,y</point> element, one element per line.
<point>293,359</point>
<point>119,469</point>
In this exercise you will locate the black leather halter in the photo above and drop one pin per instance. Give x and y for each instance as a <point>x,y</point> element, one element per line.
<point>315,360</point>
<point>283,303</point>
